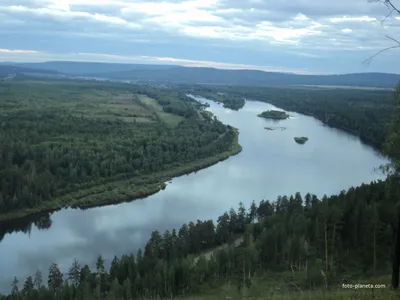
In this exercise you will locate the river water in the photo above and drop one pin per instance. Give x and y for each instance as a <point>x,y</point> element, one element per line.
<point>271,164</point>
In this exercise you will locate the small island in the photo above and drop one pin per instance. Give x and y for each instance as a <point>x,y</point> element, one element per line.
<point>274,114</point>
<point>301,139</point>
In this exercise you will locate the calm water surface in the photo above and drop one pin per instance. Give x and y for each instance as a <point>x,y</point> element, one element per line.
<point>270,164</point>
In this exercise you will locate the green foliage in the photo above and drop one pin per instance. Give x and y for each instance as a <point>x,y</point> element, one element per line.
<point>365,113</point>
<point>274,114</point>
<point>301,139</point>
<point>229,100</point>
<point>275,249</point>
<point>82,144</point>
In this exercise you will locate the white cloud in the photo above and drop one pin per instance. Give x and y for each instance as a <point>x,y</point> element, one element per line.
<point>19,56</point>
<point>17,51</point>
<point>346,30</point>
<point>352,19</point>
<point>296,26</point>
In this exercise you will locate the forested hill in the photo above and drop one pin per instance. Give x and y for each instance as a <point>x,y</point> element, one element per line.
<point>253,77</point>
<point>88,68</point>
<point>82,144</point>
<point>9,70</point>
<point>197,75</point>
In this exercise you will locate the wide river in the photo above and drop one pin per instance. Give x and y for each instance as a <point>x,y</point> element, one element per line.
<point>271,164</point>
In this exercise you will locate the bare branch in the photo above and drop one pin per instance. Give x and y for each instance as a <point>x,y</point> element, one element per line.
<point>394,40</point>
<point>390,4</point>
<point>368,60</point>
<point>387,16</point>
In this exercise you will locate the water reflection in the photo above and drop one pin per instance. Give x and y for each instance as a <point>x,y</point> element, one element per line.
<point>270,164</point>
<point>40,221</point>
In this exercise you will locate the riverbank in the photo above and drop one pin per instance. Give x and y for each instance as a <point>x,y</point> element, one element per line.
<point>125,190</point>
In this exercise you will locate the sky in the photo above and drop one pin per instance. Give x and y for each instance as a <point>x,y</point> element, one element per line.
<point>301,36</point>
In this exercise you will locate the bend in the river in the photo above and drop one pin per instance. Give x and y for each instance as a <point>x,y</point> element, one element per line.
<point>271,164</point>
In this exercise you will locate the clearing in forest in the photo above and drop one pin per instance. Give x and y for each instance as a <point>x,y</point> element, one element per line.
<point>152,104</point>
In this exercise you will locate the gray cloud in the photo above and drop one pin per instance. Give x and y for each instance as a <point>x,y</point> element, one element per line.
<point>293,26</point>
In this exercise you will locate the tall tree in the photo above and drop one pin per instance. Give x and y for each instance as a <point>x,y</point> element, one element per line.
<point>55,278</point>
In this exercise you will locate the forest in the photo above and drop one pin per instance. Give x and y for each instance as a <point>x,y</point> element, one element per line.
<point>229,100</point>
<point>274,114</point>
<point>298,243</point>
<point>80,144</point>
<point>293,247</point>
<point>365,113</point>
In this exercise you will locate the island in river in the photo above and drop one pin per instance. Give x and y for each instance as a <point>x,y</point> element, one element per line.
<point>274,114</point>
<point>301,139</point>
<point>86,144</point>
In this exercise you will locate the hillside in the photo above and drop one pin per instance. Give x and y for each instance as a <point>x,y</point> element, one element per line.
<point>196,75</point>
<point>89,68</point>
<point>7,70</point>
<point>252,77</point>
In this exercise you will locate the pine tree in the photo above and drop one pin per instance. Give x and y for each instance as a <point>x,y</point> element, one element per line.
<point>28,286</point>
<point>74,273</point>
<point>55,279</point>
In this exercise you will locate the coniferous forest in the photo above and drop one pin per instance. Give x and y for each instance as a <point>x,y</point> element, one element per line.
<point>82,144</point>
<point>293,247</point>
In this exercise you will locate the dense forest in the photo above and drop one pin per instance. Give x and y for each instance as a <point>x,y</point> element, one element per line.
<point>365,113</point>
<point>228,100</point>
<point>274,114</point>
<point>346,236</point>
<point>85,143</point>
<point>291,246</point>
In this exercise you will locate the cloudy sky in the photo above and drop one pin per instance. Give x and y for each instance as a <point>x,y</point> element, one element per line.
<point>303,36</point>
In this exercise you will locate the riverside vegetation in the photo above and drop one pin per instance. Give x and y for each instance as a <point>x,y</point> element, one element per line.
<point>274,115</point>
<point>365,113</point>
<point>301,139</point>
<point>294,248</point>
<point>81,144</point>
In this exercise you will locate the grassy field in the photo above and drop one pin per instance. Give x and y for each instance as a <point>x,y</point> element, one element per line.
<point>152,105</point>
<point>275,286</point>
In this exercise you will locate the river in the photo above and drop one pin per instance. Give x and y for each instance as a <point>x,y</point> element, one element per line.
<point>271,164</point>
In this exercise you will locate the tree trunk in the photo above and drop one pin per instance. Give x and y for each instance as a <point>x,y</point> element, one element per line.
<point>333,243</point>
<point>374,261</point>
<point>326,248</point>
<point>306,269</point>
<point>396,257</point>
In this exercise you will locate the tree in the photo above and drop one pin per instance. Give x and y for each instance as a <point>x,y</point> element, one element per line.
<point>37,281</point>
<point>14,286</point>
<point>55,278</point>
<point>100,273</point>
<point>74,273</point>
<point>28,286</point>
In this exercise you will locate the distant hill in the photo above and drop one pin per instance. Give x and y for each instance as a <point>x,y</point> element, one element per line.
<point>253,77</point>
<point>193,75</point>
<point>90,68</point>
<point>7,70</point>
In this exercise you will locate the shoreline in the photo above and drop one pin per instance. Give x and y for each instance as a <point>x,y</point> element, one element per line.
<point>112,193</point>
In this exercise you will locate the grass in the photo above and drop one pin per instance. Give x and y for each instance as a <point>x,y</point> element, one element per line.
<point>151,104</point>
<point>274,286</point>
<point>123,189</point>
